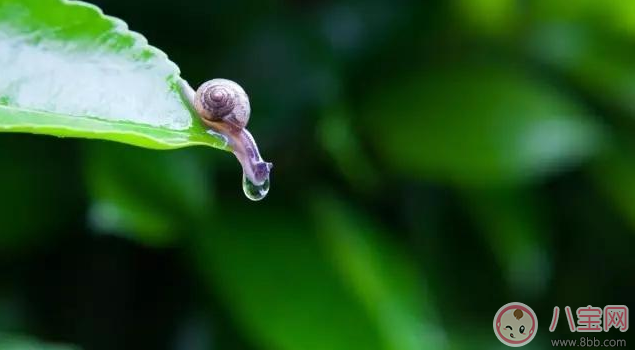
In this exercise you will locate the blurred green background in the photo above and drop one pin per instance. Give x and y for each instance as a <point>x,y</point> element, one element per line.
<point>434,160</point>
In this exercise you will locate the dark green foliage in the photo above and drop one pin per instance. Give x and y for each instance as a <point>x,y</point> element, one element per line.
<point>433,161</point>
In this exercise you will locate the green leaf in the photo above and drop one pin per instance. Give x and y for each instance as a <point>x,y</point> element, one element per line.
<point>279,284</point>
<point>599,62</point>
<point>478,126</point>
<point>69,71</point>
<point>617,16</point>
<point>497,17</point>
<point>518,236</point>
<point>380,274</point>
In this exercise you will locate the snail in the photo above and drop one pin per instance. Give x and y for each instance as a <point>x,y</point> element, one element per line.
<point>223,106</point>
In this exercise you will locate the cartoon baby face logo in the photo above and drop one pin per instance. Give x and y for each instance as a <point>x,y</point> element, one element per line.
<point>515,324</point>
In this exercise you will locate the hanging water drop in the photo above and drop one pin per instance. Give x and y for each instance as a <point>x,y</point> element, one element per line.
<point>253,191</point>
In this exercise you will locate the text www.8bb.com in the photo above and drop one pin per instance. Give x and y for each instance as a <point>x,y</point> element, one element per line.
<point>589,342</point>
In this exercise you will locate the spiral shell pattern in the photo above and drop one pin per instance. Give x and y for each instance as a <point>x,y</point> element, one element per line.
<point>222,100</point>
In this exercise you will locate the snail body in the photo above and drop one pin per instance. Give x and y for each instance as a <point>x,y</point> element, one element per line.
<point>223,106</point>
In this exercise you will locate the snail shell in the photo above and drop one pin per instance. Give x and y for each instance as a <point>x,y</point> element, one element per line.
<point>222,101</point>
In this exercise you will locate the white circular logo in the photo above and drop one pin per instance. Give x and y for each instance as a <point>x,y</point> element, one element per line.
<point>515,324</point>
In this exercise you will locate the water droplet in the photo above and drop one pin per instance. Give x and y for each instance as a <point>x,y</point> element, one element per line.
<point>253,191</point>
